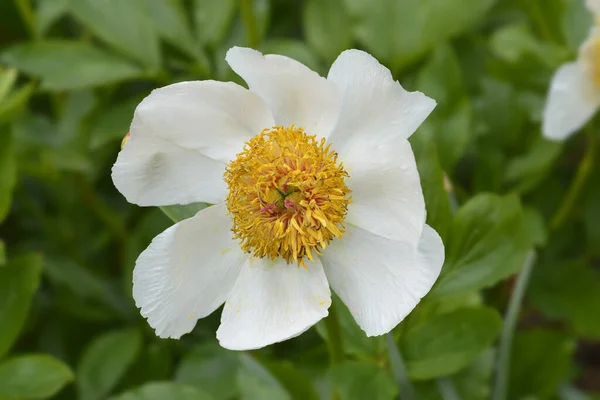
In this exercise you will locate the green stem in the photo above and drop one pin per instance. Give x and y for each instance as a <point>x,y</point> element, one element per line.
<point>249,22</point>
<point>447,389</point>
<point>334,336</point>
<point>407,392</point>
<point>583,172</point>
<point>539,20</point>
<point>27,15</point>
<point>510,322</point>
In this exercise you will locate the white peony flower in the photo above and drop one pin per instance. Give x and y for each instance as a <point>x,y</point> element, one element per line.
<point>314,185</point>
<point>574,95</point>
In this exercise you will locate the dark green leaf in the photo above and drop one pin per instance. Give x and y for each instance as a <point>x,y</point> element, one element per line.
<point>434,185</point>
<point>446,343</point>
<point>548,353</point>
<point>399,31</point>
<point>124,25</point>
<point>441,78</point>
<point>63,64</point>
<point>2,253</point>
<point>8,172</point>
<point>211,368</point>
<point>291,48</point>
<point>14,103</point>
<point>256,382</point>
<point>106,361</point>
<point>113,125</point>
<point>358,381</point>
<point>179,213</point>
<point>487,242</point>
<point>213,19</point>
<point>19,280</point>
<point>294,380</point>
<point>47,13</point>
<point>355,340</point>
<point>327,27</point>
<point>164,391</point>
<point>173,25</point>
<point>528,170</point>
<point>37,376</point>
<point>565,291</point>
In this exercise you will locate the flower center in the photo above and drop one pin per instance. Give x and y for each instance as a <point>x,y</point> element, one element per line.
<point>287,195</point>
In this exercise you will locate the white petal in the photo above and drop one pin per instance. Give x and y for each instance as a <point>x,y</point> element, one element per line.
<point>295,94</point>
<point>572,100</point>
<point>271,302</point>
<point>181,137</point>
<point>151,171</point>
<point>380,280</point>
<point>374,105</point>
<point>387,198</point>
<point>215,118</point>
<point>187,272</point>
<point>593,6</point>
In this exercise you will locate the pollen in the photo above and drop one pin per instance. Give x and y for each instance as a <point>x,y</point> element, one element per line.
<point>287,195</point>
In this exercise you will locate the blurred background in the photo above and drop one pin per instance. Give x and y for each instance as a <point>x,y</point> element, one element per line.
<point>516,211</point>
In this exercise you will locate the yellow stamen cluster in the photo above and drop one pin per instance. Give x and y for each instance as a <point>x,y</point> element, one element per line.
<point>287,195</point>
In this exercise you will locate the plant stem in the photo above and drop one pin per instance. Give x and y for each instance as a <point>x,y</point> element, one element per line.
<point>500,390</point>
<point>27,15</point>
<point>583,171</point>
<point>407,392</point>
<point>334,336</point>
<point>249,22</point>
<point>447,389</point>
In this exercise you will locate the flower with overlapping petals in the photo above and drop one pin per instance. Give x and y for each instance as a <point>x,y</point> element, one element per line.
<point>313,185</point>
<point>574,95</point>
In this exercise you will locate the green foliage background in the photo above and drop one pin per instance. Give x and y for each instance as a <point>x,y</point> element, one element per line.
<point>72,72</point>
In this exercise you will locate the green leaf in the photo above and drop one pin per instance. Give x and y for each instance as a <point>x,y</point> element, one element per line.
<point>591,218</point>
<point>164,391</point>
<point>400,31</point>
<point>355,341</point>
<point>514,42</point>
<point>172,24</point>
<point>8,78</point>
<point>2,253</point>
<point>113,125</point>
<point>211,368</point>
<point>327,28</point>
<point>213,19</point>
<point>487,242</point>
<point>14,103</point>
<point>8,172</point>
<point>19,280</point>
<point>441,78</point>
<point>106,361</point>
<point>124,25</point>
<point>179,213</point>
<point>292,48</point>
<point>548,353</point>
<point>38,376</point>
<point>566,291</point>
<point>446,343</point>
<point>47,13</point>
<point>576,23</point>
<point>293,380</point>
<point>256,382</point>
<point>357,381</point>
<point>526,171</point>
<point>63,64</point>
<point>437,198</point>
